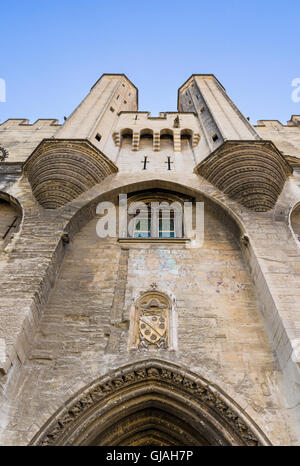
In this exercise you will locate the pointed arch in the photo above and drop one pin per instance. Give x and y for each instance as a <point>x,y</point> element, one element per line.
<point>161,402</point>
<point>294,221</point>
<point>10,218</point>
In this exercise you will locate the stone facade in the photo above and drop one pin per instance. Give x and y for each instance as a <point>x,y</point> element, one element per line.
<point>199,343</point>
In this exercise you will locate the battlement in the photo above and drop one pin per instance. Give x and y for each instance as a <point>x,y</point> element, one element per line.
<point>23,123</point>
<point>161,115</point>
<point>294,121</point>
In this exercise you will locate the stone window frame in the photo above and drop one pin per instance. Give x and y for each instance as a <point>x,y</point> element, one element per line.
<point>154,222</point>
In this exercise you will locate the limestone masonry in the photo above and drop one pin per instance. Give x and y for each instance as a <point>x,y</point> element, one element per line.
<point>149,337</point>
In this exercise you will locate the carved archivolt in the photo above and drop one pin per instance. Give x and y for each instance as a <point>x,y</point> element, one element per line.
<point>251,172</point>
<point>59,170</point>
<point>204,413</point>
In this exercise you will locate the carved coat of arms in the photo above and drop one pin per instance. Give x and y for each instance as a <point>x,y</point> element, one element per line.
<point>153,322</point>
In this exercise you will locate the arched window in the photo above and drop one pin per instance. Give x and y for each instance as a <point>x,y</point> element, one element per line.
<point>166,134</point>
<point>166,138</point>
<point>126,137</point>
<point>155,216</point>
<point>146,139</point>
<point>146,134</point>
<point>186,137</point>
<point>186,134</point>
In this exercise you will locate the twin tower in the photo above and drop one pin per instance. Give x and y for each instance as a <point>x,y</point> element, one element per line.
<point>207,136</point>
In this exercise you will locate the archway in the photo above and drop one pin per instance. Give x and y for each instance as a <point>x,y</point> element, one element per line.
<point>126,137</point>
<point>150,403</point>
<point>146,139</point>
<point>86,207</point>
<point>66,314</point>
<point>10,218</point>
<point>295,221</point>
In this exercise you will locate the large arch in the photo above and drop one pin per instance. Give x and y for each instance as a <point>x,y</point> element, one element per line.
<point>294,221</point>
<point>86,204</point>
<point>10,217</point>
<point>150,403</point>
<point>82,211</point>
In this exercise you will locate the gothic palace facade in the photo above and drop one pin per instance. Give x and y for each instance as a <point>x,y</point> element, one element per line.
<point>151,336</point>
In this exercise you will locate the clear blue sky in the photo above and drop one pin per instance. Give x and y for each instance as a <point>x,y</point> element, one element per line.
<point>53,52</point>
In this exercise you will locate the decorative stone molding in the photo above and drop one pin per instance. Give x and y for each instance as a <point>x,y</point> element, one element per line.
<point>68,424</point>
<point>59,170</point>
<point>251,172</point>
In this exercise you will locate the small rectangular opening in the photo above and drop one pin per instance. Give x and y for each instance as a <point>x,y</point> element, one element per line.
<point>202,109</point>
<point>112,109</point>
<point>98,137</point>
<point>215,137</point>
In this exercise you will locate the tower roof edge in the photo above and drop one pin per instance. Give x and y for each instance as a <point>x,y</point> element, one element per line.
<point>194,75</point>
<point>119,74</point>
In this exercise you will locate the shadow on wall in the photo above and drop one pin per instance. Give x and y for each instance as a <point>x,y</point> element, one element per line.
<point>295,221</point>
<point>10,219</point>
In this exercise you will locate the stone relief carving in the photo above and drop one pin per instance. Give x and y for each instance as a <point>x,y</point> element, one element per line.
<point>197,387</point>
<point>153,322</point>
<point>150,321</point>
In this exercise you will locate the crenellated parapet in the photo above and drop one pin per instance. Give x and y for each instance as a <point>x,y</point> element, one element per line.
<point>59,170</point>
<point>286,137</point>
<point>19,137</point>
<point>251,172</point>
<point>21,123</point>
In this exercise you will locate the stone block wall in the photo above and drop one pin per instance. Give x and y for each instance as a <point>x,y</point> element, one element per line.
<point>221,332</point>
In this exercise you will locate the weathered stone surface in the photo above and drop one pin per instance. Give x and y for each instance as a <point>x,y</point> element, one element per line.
<point>69,298</point>
<point>60,170</point>
<point>251,172</point>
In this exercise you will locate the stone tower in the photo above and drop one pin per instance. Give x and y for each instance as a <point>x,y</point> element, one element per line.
<point>151,334</point>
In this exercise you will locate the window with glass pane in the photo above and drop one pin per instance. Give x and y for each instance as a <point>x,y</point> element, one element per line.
<point>143,228</point>
<point>166,224</point>
<point>158,221</point>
